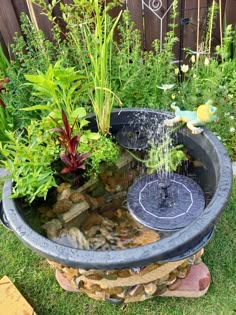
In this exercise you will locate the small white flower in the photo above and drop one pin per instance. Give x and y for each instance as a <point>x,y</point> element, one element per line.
<point>226,114</point>
<point>230,96</point>
<point>184,68</point>
<point>231,117</point>
<point>232,129</point>
<point>166,86</point>
<point>207,61</point>
<point>194,76</point>
<point>219,137</point>
<point>173,96</point>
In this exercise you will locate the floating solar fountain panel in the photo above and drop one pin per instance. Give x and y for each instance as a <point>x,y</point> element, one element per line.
<point>130,137</point>
<point>165,202</point>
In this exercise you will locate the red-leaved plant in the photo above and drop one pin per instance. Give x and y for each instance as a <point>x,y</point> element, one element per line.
<point>73,160</point>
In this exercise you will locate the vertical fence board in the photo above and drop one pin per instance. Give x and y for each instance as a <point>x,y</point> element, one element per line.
<point>152,24</point>
<point>8,21</point>
<point>114,12</point>
<point>230,15</point>
<point>20,6</point>
<point>216,31</point>
<point>4,47</point>
<point>135,9</point>
<point>145,20</point>
<point>190,30</point>
<point>43,21</point>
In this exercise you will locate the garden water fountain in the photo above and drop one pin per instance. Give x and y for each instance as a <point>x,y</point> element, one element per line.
<point>162,201</point>
<point>184,212</point>
<point>165,203</point>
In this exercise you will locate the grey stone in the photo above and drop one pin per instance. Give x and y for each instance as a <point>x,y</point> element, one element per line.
<point>76,210</point>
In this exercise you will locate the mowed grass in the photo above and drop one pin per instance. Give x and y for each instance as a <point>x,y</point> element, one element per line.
<point>35,279</point>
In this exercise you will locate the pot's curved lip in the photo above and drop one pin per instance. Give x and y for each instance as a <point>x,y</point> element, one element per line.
<point>138,256</point>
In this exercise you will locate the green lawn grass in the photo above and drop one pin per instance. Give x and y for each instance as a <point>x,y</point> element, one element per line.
<point>35,279</point>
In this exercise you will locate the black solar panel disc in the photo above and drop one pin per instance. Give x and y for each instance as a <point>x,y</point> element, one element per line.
<point>170,208</point>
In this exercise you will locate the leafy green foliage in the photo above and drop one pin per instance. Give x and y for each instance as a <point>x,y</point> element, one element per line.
<point>60,87</point>
<point>162,157</point>
<point>28,159</point>
<point>213,78</point>
<point>96,34</point>
<point>225,51</point>
<point>4,63</point>
<point>137,75</point>
<point>103,152</point>
<point>31,51</point>
<point>200,82</point>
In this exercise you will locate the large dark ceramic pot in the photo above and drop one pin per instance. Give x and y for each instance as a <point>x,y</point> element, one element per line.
<point>215,179</point>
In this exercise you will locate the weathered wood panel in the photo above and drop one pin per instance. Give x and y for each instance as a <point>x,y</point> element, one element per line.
<point>230,11</point>
<point>146,20</point>
<point>42,21</point>
<point>8,21</point>
<point>155,21</point>
<point>136,14</point>
<point>193,31</point>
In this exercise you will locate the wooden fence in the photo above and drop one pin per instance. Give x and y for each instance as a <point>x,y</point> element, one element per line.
<point>151,17</point>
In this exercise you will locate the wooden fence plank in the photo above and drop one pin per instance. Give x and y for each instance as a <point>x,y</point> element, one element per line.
<point>115,12</point>
<point>146,21</point>
<point>135,9</point>
<point>190,29</point>
<point>8,22</point>
<point>4,47</point>
<point>43,22</point>
<point>229,14</point>
<point>152,23</point>
<point>19,7</point>
<point>216,38</point>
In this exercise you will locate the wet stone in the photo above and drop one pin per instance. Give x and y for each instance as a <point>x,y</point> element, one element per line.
<point>74,211</point>
<point>52,227</point>
<point>93,222</point>
<point>62,206</point>
<point>65,194</point>
<point>79,237</point>
<point>98,191</point>
<point>95,215</point>
<point>93,202</point>
<point>62,187</point>
<point>76,196</point>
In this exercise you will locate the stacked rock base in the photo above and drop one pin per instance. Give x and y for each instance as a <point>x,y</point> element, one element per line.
<point>187,278</point>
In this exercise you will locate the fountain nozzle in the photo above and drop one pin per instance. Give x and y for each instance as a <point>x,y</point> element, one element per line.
<point>163,192</point>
